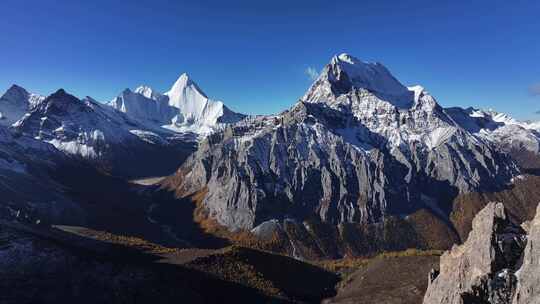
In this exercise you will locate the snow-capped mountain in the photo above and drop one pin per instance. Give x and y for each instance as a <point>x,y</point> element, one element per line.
<point>135,125</point>
<point>15,103</point>
<point>533,125</point>
<point>357,147</point>
<point>184,108</point>
<point>501,129</point>
<point>144,105</point>
<point>99,133</point>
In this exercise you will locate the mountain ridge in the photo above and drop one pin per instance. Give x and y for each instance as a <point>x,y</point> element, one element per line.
<point>346,152</point>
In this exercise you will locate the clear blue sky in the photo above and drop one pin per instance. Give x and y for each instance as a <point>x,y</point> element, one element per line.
<point>253,54</point>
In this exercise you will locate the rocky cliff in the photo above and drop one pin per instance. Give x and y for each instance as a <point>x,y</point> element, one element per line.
<point>497,264</point>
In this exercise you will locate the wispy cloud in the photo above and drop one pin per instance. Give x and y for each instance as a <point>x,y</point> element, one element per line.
<point>312,73</point>
<point>534,89</point>
<point>537,112</point>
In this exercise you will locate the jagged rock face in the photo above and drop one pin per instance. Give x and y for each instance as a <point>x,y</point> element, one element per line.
<point>528,287</point>
<point>481,270</point>
<point>409,122</point>
<point>15,103</point>
<point>102,135</point>
<point>297,168</point>
<point>357,147</point>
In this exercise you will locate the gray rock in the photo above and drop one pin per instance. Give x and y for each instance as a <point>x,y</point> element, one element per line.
<point>528,287</point>
<point>481,270</point>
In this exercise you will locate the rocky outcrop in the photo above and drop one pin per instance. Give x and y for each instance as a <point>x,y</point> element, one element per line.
<point>528,287</point>
<point>486,268</point>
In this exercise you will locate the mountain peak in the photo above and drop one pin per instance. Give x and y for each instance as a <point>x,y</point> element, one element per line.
<point>61,97</point>
<point>374,77</point>
<point>60,93</point>
<point>183,83</point>
<point>345,57</point>
<point>13,104</point>
<point>184,108</point>
<point>15,93</point>
<point>345,74</point>
<point>184,77</point>
<point>185,88</point>
<point>15,87</point>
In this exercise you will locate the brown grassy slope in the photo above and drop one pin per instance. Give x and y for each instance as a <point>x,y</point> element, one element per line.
<point>520,199</point>
<point>76,273</point>
<point>391,279</point>
<point>527,160</point>
<point>260,273</point>
<point>274,275</point>
<point>433,232</point>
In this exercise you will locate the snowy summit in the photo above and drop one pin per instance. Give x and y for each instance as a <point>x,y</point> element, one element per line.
<point>184,108</point>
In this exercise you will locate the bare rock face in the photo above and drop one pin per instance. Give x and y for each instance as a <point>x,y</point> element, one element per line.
<point>357,148</point>
<point>483,269</point>
<point>528,287</point>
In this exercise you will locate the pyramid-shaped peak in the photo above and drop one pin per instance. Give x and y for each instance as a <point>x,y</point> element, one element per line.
<point>183,81</point>
<point>17,88</point>
<point>183,85</point>
<point>16,92</point>
<point>184,77</point>
<point>61,96</point>
<point>59,93</point>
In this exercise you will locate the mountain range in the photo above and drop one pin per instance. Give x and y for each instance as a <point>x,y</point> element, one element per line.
<point>360,164</point>
<point>358,148</point>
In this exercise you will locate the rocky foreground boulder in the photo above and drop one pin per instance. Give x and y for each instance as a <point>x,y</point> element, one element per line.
<point>497,264</point>
<point>528,287</point>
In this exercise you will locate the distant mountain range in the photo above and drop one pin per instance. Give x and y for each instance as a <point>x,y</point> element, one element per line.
<point>134,126</point>
<point>358,148</point>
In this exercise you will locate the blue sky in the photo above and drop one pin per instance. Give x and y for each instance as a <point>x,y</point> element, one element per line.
<point>255,55</point>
